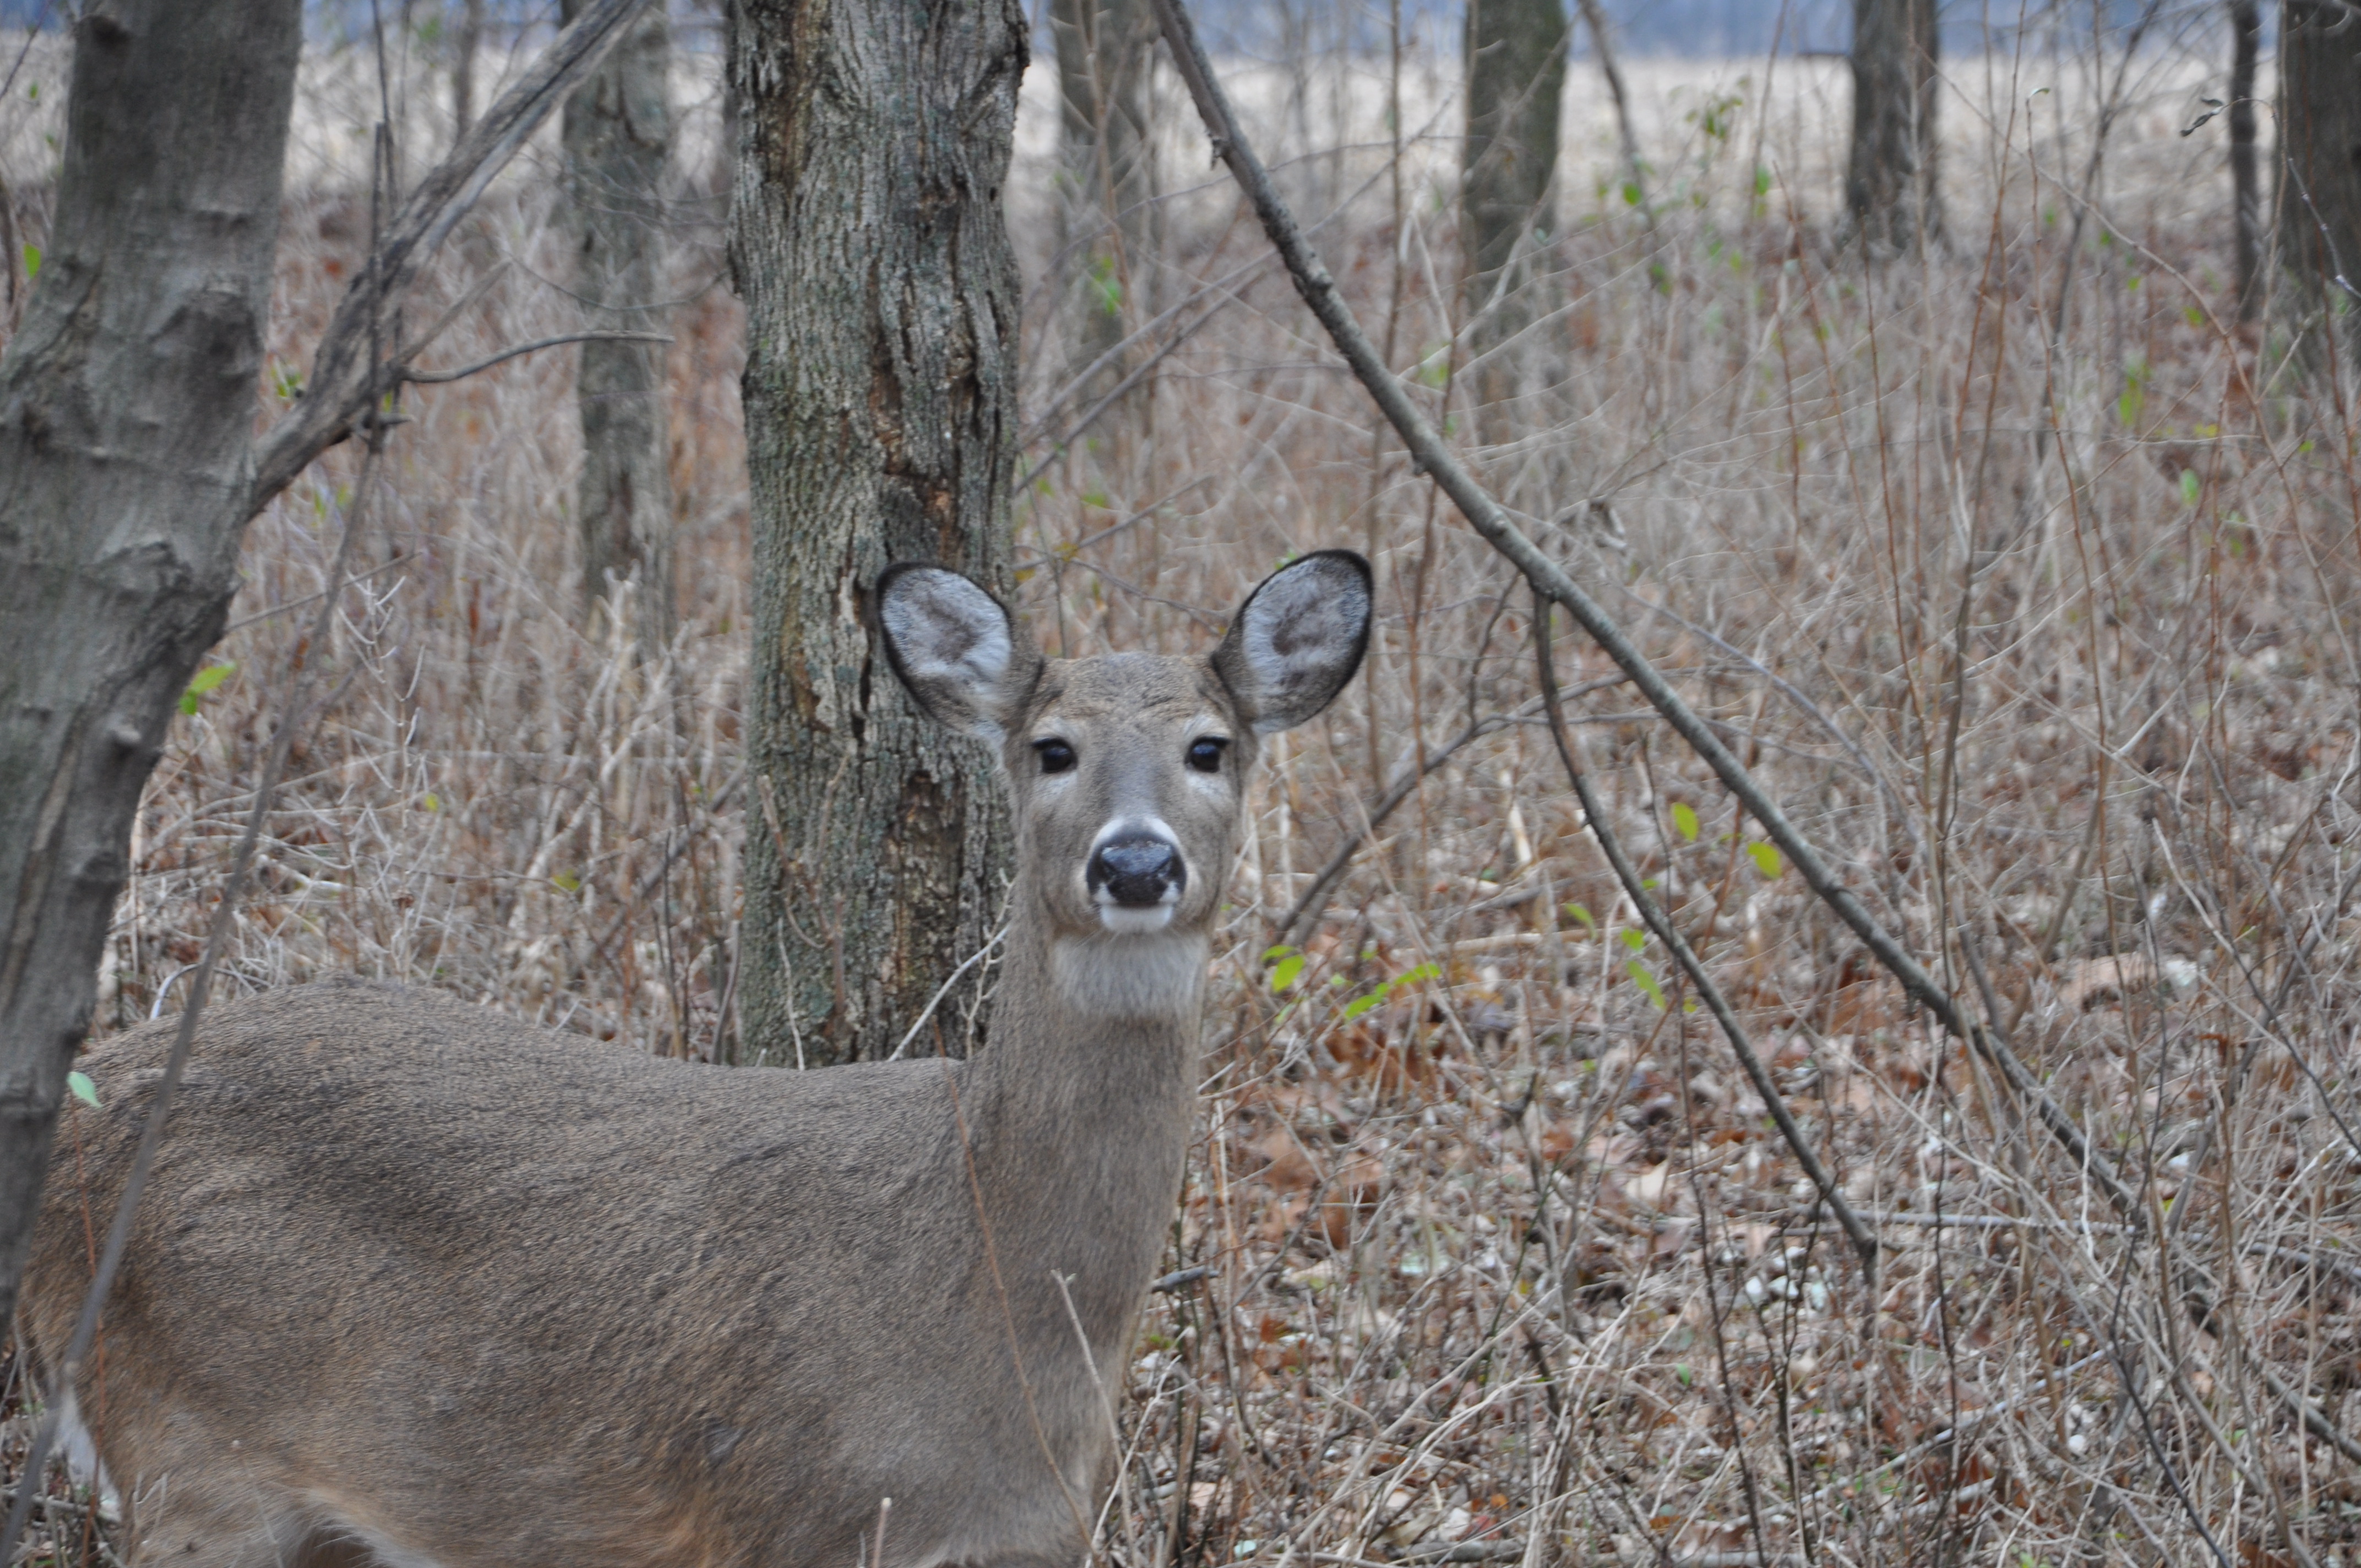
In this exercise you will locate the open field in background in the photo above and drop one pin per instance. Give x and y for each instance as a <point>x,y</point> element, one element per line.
<point>1499,1250</point>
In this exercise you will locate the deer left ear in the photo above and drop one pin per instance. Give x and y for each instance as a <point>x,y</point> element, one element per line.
<point>1297,640</point>
<point>956,648</point>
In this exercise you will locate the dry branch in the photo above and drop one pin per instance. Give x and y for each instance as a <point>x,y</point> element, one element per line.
<point>1313,281</point>
<point>352,368</point>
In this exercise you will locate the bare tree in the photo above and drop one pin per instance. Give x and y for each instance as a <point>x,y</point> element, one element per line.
<point>2245,183</point>
<point>126,469</point>
<point>868,242</point>
<point>1890,179</point>
<point>618,139</point>
<point>1516,76</point>
<point>1106,174</point>
<point>2319,216</point>
<point>129,466</point>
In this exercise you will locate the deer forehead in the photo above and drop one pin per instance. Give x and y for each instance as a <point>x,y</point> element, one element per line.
<point>1144,691</point>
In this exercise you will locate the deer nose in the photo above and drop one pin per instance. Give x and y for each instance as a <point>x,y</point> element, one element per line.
<point>1136,871</point>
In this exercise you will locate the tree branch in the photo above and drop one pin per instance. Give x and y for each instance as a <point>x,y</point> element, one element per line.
<point>1315,283</point>
<point>436,378</point>
<point>343,384</point>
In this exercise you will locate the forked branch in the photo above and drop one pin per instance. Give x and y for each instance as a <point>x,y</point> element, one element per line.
<point>1313,281</point>
<point>352,368</point>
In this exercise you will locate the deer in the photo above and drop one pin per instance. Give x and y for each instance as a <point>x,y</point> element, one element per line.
<point>415,1283</point>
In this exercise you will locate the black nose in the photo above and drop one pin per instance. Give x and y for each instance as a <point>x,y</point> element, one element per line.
<point>1136,871</point>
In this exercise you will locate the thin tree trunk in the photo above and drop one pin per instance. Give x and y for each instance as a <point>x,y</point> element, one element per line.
<point>2318,217</point>
<point>868,242</point>
<point>126,469</point>
<point>1594,16</point>
<point>1516,77</point>
<point>2245,182</point>
<point>1106,170</point>
<point>618,140</point>
<point>468,39</point>
<point>1890,181</point>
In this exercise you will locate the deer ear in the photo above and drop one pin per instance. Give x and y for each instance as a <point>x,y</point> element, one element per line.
<point>1297,640</point>
<point>956,648</point>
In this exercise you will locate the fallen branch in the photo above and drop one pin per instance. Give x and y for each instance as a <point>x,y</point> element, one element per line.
<point>1317,288</point>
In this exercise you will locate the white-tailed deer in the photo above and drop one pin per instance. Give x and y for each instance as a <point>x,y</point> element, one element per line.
<point>416,1284</point>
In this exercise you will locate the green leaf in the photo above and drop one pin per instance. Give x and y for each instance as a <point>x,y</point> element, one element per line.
<point>1684,820</point>
<point>1766,859</point>
<point>432,802</point>
<point>1413,976</point>
<point>1635,938</point>
<point>1630,192</point>
<point>1645,981</point>
<point>2189,485</point>
<point>1360,1005</point>
<point>32,262</point>
<point>569,881</point>
<point>1681,1370</point>
<point>204,681</point>
<point>1272,955</point>
<point>1762,181</point>
<point>1286,972</point>
<point>1579,913</point>
<point>84,1088</point>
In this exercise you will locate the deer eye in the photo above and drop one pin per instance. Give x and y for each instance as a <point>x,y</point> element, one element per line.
<point>1056,755</point>
<point>1205,755</point>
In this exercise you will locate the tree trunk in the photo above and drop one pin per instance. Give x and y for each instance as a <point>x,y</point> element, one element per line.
<point>466,41</point>
<point>618,139</point>
<point>1890,184</point>
<point>2245,183</point>
<point>1106,174</point>
<point>2318,217</point>
<point>126,419</point>
<point>868,243</point>
<point>1516,76</point>
<point>1602,44</point>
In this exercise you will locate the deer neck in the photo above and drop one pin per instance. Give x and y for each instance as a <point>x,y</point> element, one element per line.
<point>1079,1107</point>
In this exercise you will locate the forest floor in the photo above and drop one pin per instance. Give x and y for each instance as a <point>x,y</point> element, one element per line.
<point>2018,572</point>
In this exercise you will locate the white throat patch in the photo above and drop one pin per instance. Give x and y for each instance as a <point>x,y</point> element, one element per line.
<point>1158,976</point>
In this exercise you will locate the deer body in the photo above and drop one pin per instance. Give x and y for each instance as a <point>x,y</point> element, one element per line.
<point>416,1284</point>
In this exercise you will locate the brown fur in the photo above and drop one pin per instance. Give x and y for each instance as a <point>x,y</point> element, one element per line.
<point>417,1283</point>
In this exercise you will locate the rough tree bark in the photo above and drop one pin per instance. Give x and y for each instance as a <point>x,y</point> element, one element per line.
<point>1516,78</point>
<point>127,468</point>
<point>1889,181</point>
<point>2319,216</point>
<point>1105,170</point>
<point>868,243</point>
<point>128,464</point>
<point>618,141</point>
<point>2245,182</point>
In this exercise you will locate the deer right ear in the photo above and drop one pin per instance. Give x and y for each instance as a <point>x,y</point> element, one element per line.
<point>956,648</point>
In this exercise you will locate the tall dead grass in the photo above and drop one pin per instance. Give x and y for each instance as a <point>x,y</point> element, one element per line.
<point>1488,1251</point>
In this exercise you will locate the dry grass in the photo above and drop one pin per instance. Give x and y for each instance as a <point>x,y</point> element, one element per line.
<point>1509,1258</point>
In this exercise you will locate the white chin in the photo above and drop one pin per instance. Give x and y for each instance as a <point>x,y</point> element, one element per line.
<point>1135,922</point>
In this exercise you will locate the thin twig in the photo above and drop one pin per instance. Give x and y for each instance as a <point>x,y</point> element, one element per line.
<point>435,378</point>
